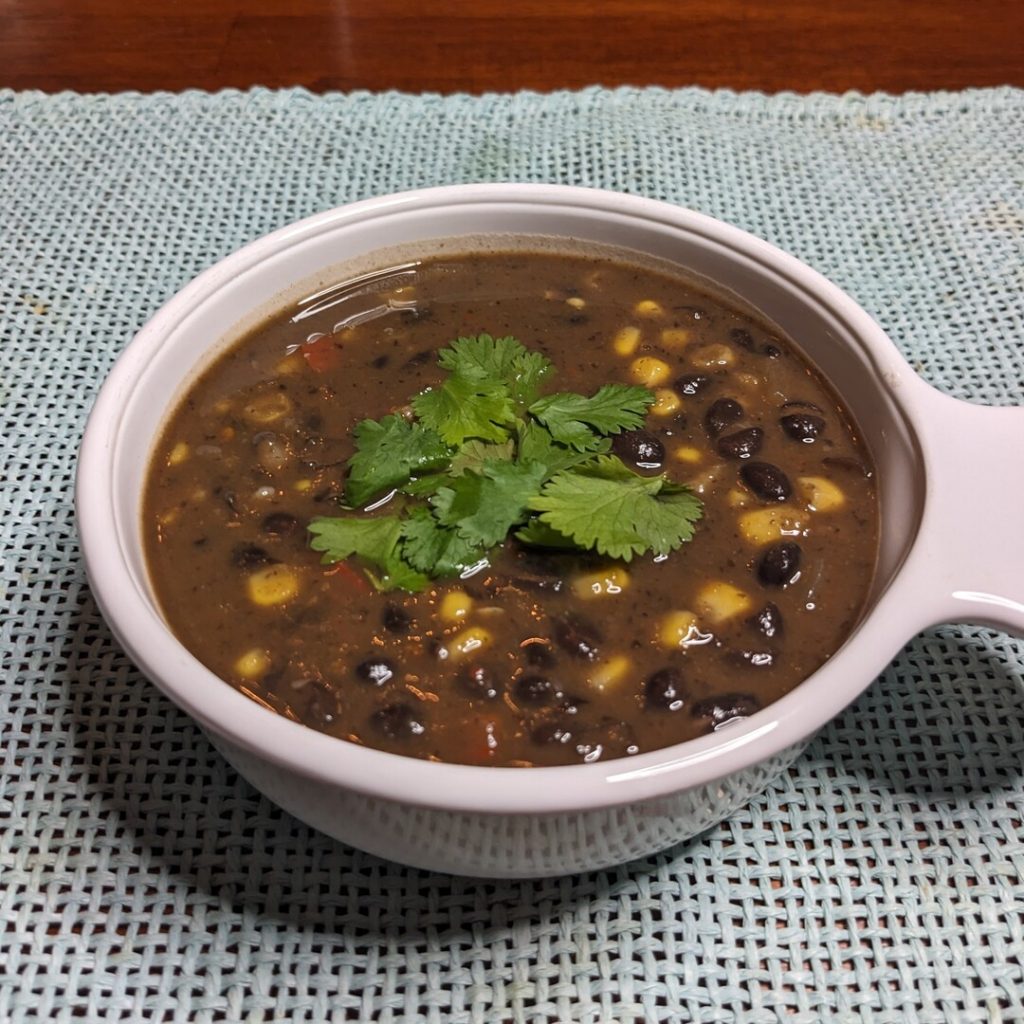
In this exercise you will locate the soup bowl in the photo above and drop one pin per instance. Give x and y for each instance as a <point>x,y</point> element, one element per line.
<point>948,551</point>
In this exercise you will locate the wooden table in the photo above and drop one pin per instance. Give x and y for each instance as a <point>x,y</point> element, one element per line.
<point>486,45</point>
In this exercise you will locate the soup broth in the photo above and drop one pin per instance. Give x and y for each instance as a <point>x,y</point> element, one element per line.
<point>531,655</point>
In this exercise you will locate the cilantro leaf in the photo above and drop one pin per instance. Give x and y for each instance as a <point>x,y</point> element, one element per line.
<point>537,445</point>
<point>503,360</point>
<point>613,408</point>
<point>466,407</point>
<point>539,534</point>
<point>421,486</point>
<point>388,452</point>
<point>436,549</point>
<point>473,454</point>
<point>375,541</point>
<point>484,506</point>
<point>604,506</point>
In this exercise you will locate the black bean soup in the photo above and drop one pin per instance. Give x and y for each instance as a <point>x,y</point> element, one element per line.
<point>536,657</point>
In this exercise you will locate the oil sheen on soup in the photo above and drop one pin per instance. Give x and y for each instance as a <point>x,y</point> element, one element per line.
<point>531,654</point>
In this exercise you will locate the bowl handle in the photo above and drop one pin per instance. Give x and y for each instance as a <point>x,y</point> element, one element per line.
<point>969,551</point>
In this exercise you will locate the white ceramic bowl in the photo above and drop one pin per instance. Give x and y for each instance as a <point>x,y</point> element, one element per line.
<point>952,547</point>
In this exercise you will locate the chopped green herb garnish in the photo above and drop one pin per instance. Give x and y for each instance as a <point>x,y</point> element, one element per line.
<point>486,458</point>
<point>577,420</point>
<point>484,506</point>
<point>603,505</point>
<point>375,541</point>
<point>388,452</point>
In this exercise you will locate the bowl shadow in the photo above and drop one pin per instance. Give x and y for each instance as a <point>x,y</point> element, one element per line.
<point>943,723</point>
<point>941,736</point>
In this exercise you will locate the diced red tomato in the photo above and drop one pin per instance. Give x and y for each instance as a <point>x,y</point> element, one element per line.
<point>321,354</point>
<point>350,576</point>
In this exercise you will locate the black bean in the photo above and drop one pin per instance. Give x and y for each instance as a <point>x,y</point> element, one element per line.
<point>742,337</point>
<point>534,690</point>
<point>768,621</point>
<point>479,681</point>
<point>665,690</point>
<point>555,729</point>
<point>419,359</point>
<point>639,449</point>
<point>768,482</point>
<point>381,361</point>
<point>398,721</point>
<point>375,670</point>
<point>741,444</point>
<point>396,619</point>
<point>538,652</point>
<point>725,708</point>
<point>249,556</point>
<point>723,413</point>
<point>802,426</point>
<point>279,524</point>
<point>578,637</point>
<point>779,564</point>
<point>691,384</point>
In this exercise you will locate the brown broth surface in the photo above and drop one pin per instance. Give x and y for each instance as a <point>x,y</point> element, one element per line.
<point>258,448</point>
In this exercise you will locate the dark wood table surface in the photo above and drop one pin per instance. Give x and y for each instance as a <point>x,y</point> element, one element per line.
<point>501,45</point>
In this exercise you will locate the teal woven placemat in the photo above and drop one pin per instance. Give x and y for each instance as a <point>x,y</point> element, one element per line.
<point>880,880</point>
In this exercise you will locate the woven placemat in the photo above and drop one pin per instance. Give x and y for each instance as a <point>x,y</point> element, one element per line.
<point>879,880</point>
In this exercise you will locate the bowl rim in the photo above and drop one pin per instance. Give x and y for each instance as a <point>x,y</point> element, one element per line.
<point>238,721</point>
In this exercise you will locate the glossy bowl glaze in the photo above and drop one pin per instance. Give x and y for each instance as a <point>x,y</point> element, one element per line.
<point>948,550</point>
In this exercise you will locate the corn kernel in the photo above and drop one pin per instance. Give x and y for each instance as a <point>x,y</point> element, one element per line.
<point>267,408</point>
<point>764,525</point>
<point>455,605</point>
<point>178,454</point>
<point>597,584</point>
<point>291,364</point>
<point>666,402</point>
<point>275,584</point>
<point>221,406</point>
<point>226,434</point>
<point>678,629</point>
<point>626,341</point>
<point>675,337</point>
<point>252,664</point>
<point>607,674</point>
<point>169,518</point>
<point>576,302</point>
<point>198,496</point>
<point>468,641</point>
<point>302,486</point>
<point>737,499</point>
<point>720,601</point>
<point>650,371</point>
<point>820,493</point>
<point>688,453</point>
<point>711,356</point>
<point>648,308</point>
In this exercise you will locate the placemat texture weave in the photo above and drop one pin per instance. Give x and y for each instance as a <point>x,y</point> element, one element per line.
<point>880,880</point>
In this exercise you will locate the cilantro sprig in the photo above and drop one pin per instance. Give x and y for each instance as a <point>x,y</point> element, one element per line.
<point>487,457</point>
